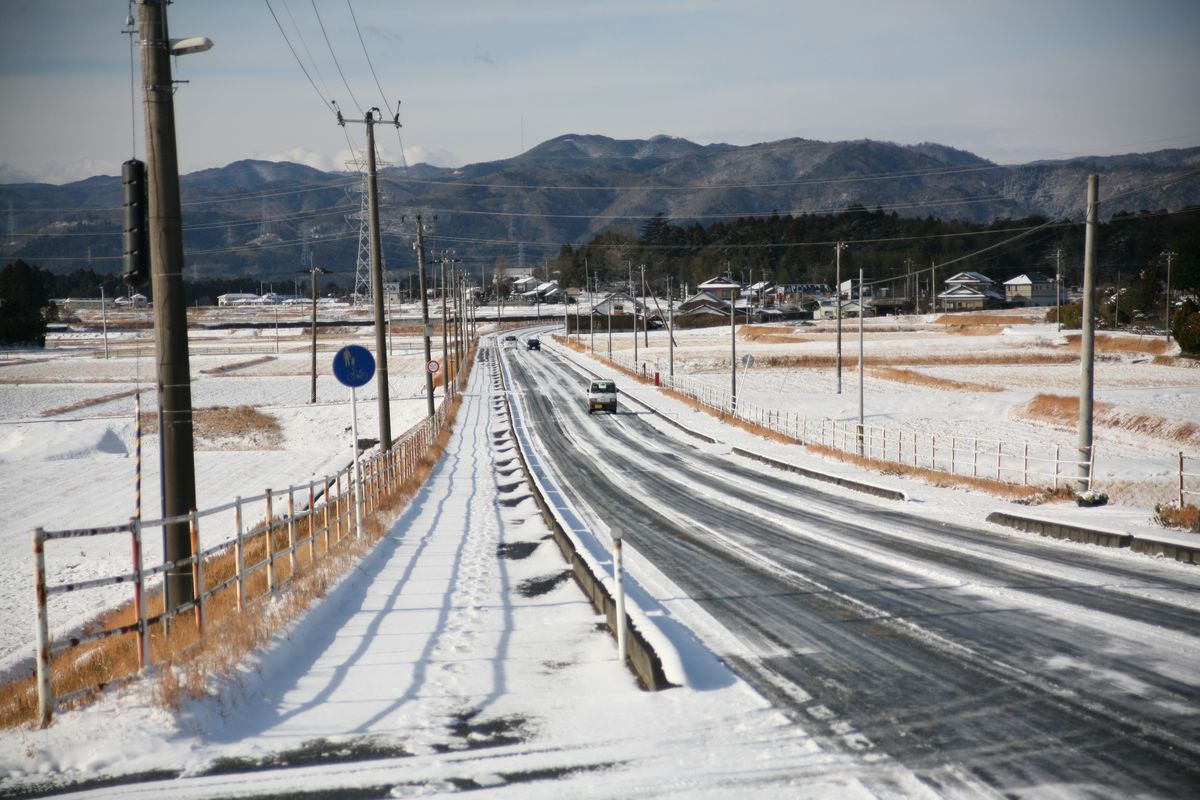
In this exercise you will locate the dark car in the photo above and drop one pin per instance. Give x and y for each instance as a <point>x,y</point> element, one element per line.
<point>533,344</point>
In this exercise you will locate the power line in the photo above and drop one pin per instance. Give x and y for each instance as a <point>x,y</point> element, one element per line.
<point>283,33</point>
<point>386,103</point>
<point>308,52</point>
<point>335,59</point>
<point>714,186</point>
<point>730,215</point>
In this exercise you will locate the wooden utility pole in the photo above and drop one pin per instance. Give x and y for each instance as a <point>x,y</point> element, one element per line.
<point>313,272</point>
<point>371,119</point>
<point>381,369</point>
<point>1087,339</point>
<point>170,306</point>
<point>838,248</point>
<point>424,312</point>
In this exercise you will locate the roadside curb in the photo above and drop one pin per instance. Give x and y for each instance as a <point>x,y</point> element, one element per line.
<point>643,659</point>
<point>1187,554</point>
<point>846,483</point>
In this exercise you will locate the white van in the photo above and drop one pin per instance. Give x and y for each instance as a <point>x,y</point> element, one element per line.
<point>602,396</point>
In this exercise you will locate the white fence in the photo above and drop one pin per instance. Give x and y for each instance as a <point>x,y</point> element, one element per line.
<point>1018,463</point>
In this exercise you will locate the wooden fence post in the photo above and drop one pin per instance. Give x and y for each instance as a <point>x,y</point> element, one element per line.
<point>312,525</point>
<point>1056,467</point>
<point>270,545</point>
<point>239,554</point>
<point>139,594</point>
<point>291,531</point>
<point>197,570</point>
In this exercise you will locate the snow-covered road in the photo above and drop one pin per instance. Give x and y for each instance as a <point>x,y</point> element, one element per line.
<point>922,636</point>
<point>454,657</point>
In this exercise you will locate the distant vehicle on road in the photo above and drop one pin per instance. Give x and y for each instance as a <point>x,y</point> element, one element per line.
<point>602,396</point>
<point>510,341</point>
<point>533,344</point>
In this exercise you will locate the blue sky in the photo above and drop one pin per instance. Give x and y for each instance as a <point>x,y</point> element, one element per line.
<point>1012,81</point>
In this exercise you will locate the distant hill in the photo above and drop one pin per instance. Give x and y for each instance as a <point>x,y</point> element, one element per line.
<point>250,217</point>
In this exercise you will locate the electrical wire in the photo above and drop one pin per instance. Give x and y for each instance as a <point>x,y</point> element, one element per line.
<point>715,186</point>
<point>386,103</point>
<point>335,59</point>
<point>307,52</point>
<point>303,69</point>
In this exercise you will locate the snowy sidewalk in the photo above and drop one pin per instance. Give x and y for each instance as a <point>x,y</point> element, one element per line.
<point>457,655</point>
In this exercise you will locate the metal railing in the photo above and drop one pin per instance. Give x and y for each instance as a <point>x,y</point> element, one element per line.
<point>325,515</point>
<point>1019,463</point>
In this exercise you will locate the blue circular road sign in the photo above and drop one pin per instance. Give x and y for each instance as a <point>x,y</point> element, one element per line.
<point>353,365</point>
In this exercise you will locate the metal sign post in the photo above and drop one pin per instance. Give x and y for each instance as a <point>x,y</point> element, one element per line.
<point>354,366</point>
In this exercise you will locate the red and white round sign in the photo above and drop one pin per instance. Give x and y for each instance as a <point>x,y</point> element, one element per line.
<point>433,366</point>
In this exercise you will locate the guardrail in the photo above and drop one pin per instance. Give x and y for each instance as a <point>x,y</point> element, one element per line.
<point>1018,463</point>
<point>325,515</point>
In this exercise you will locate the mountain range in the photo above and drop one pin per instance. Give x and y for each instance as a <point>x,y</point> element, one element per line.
<point>263,218</point>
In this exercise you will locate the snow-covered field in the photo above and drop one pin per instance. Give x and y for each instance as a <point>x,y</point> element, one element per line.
<point>68,468</point>
<point>66,463</point>
<point>1136,469</point>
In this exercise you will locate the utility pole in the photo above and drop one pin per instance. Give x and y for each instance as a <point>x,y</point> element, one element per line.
<point>1087,339</point>
<point>732,353</point>
<point>104,319</point>
<point>838,248</point>
<point>313,271</point>
<point>670,332</point>
<point>645,327</point>
<point>371,119</point>
<point>170,306</point>
<point>587,286</point>
<point>633,299</point>
<point>1167,307</point>
<point>861,314</point>
<point>445,335</point>
<point>1058,287</point>
<point>424,311</point>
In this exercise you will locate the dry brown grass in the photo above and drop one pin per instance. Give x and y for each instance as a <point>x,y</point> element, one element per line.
<point>769,335</point>
<point>92,401</point>
<point>920,379</point>
<point>1150,345</point>
<point>965,319</point>
<point>1173,516</point>
<point>973,330</point>
<point>1064,411</point>
<point>186,662</point>
<point>227,428</point>
<point>952,359</point>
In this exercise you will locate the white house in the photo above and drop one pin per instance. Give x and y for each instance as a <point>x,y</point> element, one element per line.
<point>721,288</point>
<point>617,303</point>
<point>970,291</point>
<point>1030,289</point>
<point>237,299</point>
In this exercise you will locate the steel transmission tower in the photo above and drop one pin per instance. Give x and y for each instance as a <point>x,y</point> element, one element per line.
<point>362,261</point>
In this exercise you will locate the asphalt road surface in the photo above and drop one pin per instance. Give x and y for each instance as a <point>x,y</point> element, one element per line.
<point>977,659</point>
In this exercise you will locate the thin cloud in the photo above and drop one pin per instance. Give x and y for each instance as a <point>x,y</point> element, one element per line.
<point>482,56</point>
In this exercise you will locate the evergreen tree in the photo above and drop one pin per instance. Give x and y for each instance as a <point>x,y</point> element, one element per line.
<point>23,305</point>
